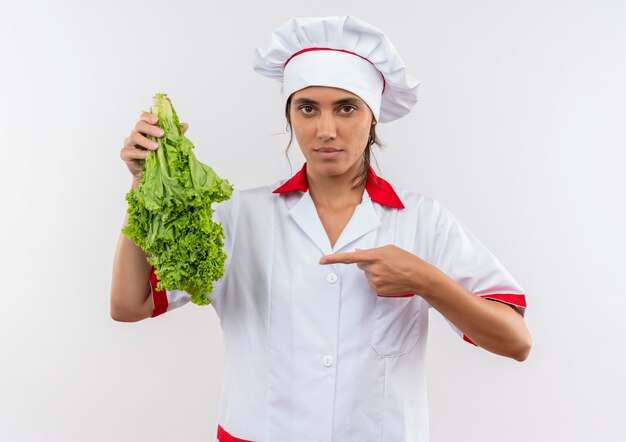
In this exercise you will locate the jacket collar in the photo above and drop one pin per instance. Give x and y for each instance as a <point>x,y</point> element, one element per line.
<point>377,188</point>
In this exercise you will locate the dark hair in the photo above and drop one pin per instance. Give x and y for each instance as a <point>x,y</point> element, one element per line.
<point>361,178</point>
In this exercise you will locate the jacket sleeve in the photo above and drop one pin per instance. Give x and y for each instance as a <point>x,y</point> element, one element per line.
<point>464,258</point>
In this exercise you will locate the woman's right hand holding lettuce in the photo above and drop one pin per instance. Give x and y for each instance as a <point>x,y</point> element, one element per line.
<point>137,146</point>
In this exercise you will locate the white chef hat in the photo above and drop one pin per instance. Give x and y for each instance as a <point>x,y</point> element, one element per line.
<point>343,52</point>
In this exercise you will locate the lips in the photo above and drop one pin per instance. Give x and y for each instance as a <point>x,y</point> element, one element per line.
<point>328,153</point>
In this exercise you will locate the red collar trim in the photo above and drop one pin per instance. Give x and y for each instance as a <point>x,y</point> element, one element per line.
<point>377,188</point>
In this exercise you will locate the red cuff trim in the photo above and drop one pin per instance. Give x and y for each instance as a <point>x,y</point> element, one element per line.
<point>224,436</point>
<point>397,296</point>
<point>466,339</point>
<point>159,297</point>
<point>516,300</point>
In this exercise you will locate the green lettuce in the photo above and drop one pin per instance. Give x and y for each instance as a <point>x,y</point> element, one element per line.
<point>170,214</point>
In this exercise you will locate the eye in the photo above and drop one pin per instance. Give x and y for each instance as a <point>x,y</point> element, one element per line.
<point>306,109</point>
<point>347,109</point>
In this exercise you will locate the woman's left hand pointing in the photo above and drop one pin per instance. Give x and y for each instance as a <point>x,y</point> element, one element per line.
<point>390,270</point>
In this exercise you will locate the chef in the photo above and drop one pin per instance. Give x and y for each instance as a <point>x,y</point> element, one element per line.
<point>331,273</point>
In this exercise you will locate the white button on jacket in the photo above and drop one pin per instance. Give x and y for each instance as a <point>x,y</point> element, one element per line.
<point>313,354</point>
<point>327,361</point>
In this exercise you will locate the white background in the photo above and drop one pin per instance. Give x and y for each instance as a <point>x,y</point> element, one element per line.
<point>519,131</point>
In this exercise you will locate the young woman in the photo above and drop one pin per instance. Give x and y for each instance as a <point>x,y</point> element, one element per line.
<point>330,274</point>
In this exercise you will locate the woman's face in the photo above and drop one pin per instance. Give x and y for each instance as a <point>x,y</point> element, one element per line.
<point>332,127</point>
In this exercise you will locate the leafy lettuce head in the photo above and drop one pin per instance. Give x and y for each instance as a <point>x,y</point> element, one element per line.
<point>170,214</point>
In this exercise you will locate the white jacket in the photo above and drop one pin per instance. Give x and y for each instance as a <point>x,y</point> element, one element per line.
<point>312,353</point>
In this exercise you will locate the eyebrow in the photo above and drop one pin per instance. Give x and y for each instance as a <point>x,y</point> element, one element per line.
<point>304,100</point>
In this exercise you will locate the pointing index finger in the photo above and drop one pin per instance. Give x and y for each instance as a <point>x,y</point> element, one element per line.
<point>347,258</point>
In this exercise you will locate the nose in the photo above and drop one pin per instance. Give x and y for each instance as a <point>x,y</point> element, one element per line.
<point>326,127</point>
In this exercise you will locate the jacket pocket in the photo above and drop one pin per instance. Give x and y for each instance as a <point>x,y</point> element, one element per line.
<point>396,325</point>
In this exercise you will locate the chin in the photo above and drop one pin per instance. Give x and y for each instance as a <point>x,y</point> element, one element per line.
<point>329,168</point>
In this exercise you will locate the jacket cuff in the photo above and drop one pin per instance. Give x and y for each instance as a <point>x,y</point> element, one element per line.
<point>159,297</point>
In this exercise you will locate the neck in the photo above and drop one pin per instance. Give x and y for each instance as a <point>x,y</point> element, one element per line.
<point>336,191</point>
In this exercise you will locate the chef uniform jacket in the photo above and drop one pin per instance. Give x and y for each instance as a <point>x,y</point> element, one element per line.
<point>312,353</point>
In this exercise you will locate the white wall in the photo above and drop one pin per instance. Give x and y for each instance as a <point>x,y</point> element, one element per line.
<point>519,131</point>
